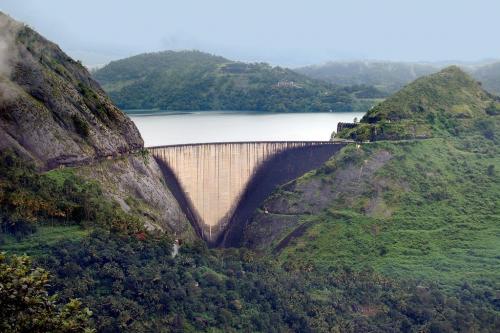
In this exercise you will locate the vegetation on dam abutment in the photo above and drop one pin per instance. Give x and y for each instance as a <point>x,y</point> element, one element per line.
<point>192,80</point>
<point>394,235</point>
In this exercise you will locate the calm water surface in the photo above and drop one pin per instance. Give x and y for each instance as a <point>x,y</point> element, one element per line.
<point>169,128</point>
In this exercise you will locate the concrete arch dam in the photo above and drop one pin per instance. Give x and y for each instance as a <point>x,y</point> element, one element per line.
<point>219,185</point>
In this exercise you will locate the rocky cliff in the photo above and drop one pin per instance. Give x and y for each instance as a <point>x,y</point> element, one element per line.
<point>136,183</point>
<point>51,110</point>
<point>54,114</point>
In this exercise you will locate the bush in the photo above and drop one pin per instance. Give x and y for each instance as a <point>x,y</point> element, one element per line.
<point>26,305</point>
<point>28,198</point>
<point>81,126</point>
<point>493,109</point>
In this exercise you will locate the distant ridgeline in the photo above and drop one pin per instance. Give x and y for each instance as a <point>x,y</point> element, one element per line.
<point>389,77</point>
<point>192,80</point>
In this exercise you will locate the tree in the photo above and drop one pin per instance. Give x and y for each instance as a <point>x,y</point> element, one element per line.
<point>26,305</point>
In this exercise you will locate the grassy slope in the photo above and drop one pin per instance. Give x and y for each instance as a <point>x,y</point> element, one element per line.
<point>47,235</point>
<point>450,93</point>
<point>443,104</point>
<point>431,211</point>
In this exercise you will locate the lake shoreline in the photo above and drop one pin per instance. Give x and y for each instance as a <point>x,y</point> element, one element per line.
<point>153,112</point>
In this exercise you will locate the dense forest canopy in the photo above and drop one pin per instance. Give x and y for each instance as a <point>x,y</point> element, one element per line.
<point>192,80</point>
<point>130,281</point>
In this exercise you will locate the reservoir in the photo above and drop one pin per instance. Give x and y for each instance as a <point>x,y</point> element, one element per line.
<point>169,128</point>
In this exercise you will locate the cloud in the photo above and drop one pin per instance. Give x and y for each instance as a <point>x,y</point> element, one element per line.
<point>8,32</point>
<point>8,55</point>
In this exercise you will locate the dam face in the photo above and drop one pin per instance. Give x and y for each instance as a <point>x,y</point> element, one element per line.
<point>210,180</point>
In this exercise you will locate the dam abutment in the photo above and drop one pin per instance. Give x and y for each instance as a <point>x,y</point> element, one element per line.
<point>276,171</point>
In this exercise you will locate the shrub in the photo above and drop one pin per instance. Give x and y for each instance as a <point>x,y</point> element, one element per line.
<point>26,305</point>
<point>81,126</point>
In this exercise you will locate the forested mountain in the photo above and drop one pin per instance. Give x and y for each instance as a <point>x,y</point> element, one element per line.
<point>192,80</point>
<point>387,236</point>
<point>53,114</point>
<point>385,76</point>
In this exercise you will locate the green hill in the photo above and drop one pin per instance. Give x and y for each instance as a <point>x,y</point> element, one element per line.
<point>424,209</point>
<point>446,103</point>
<point>192,80</point>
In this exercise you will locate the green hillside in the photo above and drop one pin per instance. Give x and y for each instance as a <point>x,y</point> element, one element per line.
<point>446,103</point>
<point>424,209</point>
<point>192,80</point>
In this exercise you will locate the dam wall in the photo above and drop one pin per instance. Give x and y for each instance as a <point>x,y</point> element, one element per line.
<point>210,180</point>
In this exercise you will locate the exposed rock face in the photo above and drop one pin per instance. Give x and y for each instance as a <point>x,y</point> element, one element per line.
<point>54,114</point>
<point>136,183</point>
<point>51,110</point>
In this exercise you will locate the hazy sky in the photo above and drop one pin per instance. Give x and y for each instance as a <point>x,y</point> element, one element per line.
<point>286,32</point>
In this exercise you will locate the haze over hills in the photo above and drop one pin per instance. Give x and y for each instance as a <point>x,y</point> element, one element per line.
<point>192,80</point>
<point>489,75</point>
<point>386,76</point>
<point>391,76</point>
